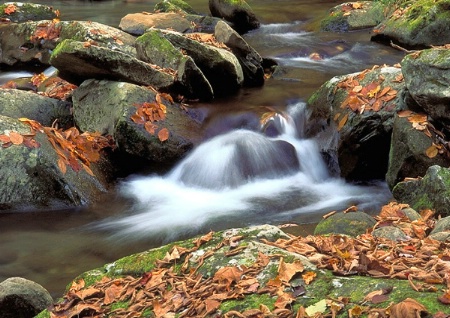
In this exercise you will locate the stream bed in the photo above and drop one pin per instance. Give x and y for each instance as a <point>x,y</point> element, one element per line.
<point>144,211</point>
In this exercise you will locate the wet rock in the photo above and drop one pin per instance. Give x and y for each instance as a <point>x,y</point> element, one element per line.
<point>139,23</point>
<point>390,232</point>
<point>220,66</point>
<point>442,225</point>
<point>351,16</point>
<point>360,138</point>
<point>23,12</point>
<point>22,298</point>
<point>250,60</point>
<point>178,6</point>
<point>427,77</point>
<point>239,13</point>
<point>408,157</point>
<point>419,24</point>
<point>107,107</point>
<point>430,192</point>
<point>154,48</point>
<point>352,224</point>
<point>77,62</point>
<point>32,42</point>
<point>31,176</point>
<point>17,103</point>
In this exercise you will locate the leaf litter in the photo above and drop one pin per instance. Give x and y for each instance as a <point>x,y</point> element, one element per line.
<point>175,288</point>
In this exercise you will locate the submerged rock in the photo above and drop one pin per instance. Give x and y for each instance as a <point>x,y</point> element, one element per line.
<point>22,298</point>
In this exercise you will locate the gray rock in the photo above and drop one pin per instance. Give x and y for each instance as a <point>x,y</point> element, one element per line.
<point>77,62</point>
<point>411,214</point>
<point>390,232</point>
<point>238,13</point>
<point>178,6</point>
<point>23,42</point>
<point>351,223</point>
<point>17,103</point>
<point>22,298</point>
<point>442,225</point>
<point>360,138</point>
<point>154,48</point>
<point>430,192</point>
<point>27,12</point>
<point>107,107</point>
<point>31,177</point>
<point>220,67</point>
<point>427,77</point>
<point>250,60</point>
<point>420,23</point>
<point>408,156</point>
<point>344,17</point>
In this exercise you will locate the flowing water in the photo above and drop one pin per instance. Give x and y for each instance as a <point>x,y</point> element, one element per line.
<point>239,176</point>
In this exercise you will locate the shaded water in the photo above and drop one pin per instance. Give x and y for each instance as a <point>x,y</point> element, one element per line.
<point>53,247</point>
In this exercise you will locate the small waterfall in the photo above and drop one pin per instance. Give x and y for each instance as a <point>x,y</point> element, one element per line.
<point>238,179</point>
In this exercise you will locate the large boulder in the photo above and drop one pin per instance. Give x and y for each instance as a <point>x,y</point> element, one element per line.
<point>77,61</point>
<point>410,155</point>
<point>111,108</point>
<point>350,223</point>
<point>33,41</point>
<point>239,13</point>
<point>220,66</point>
<point>427,78</point>
<point>18,103</point>
<point>154,48</point>
<point>352,116</point>
<point>178,6</point>
<point>430,192</point>
<point>22,12</point>
<point>38,173</point>
<point>350,16</point>
<point>139,23</point>
<point>22,298</point>
<point>250,60</point>
<point>421,23</point>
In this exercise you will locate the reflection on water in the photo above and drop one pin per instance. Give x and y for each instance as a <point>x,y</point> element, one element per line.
<point>53,247</point>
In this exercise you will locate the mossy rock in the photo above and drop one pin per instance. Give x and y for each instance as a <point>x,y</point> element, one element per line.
<point>351,223</point>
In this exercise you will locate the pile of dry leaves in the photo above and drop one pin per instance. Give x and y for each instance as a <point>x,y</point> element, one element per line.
<point>175,288</point>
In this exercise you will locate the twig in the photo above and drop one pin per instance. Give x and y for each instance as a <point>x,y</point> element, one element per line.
<point>398,47</point>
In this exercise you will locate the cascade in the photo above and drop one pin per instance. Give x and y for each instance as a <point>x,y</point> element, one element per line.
<point>238,179</point>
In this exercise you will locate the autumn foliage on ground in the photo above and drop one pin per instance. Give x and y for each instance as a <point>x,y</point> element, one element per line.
<point>175,288</point>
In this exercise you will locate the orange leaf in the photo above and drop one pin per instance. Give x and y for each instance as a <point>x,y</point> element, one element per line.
<point>308,277</point>
<point>10,8</point>
<point>62,165</point>
<point>408,308</point>
<point>4,138</point>
<point>405,113</point>
<point>137,119</point>
<point>342,121</point>
<point>163,134</point>
<point>16,138</point>
<point>150,127</point>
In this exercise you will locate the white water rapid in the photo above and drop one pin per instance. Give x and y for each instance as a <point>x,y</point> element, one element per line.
<point>238,179</point>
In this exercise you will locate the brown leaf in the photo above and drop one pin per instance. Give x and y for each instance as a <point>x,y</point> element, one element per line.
<point>15,137</point>
<point>62,165</point>
<point>288,270</point>
<point>228,274</point>
<point>163,134</point>
<point>445,298</point>
<point>137,119</point>
<point>409,308</point>
<point>432,151</point>
<point>150,127</point>
<point>211,305</point>
<point>112,293</point>
<point>10,8</point>
<point>5,138</point>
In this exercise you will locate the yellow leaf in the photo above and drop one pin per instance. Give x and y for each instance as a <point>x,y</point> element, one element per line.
<point>432,151</point>
<point>62,165</point>
<point>342,121</point>
<point>308,277</point>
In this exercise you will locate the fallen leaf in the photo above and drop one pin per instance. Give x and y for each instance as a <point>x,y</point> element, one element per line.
<point>163,134</point>
<point>342,121</point>
<point>288,270</point>
<point>10,8</point>
<point>318,307</point>
<point>308,277</point>
<point>15,137</point>
<point>408,308</point>
<point>432,151</point>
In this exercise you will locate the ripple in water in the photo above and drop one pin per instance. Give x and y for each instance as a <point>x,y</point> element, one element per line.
<point>238,179</point>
